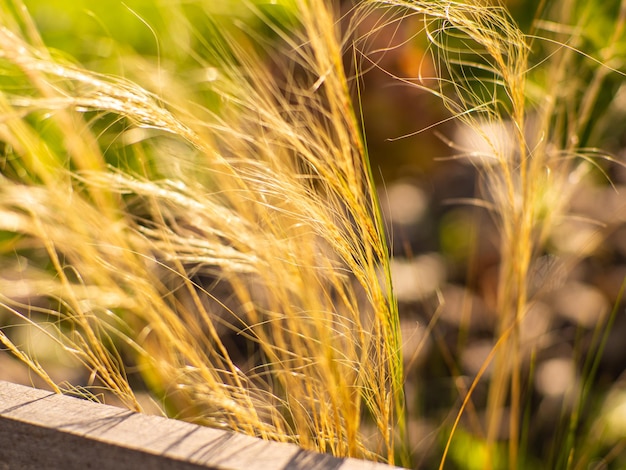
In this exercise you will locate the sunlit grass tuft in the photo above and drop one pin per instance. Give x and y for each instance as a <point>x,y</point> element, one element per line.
<point>528,144</point>
<point>204,223</point>
<point>230,254</point>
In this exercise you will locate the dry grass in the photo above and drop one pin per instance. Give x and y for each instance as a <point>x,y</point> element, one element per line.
<point>531,161</point>
<point>271,198</point>
<point>231,251</point>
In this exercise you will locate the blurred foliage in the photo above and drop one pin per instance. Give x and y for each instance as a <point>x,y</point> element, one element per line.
<point>87,30</point>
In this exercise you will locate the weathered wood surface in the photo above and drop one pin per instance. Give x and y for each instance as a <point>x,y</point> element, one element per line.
<point>43,430</point>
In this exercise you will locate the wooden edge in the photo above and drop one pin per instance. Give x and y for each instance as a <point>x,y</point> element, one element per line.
<point>40,429</point>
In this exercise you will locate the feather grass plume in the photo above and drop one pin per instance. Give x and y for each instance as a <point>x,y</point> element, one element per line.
<point>531,160</point>
<point>256,217</point>
<point>215,230</point>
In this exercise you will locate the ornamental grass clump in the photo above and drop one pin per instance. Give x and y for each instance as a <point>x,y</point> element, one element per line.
<point>231,254</point>
<point>529,122</point>
<point>201,221</point>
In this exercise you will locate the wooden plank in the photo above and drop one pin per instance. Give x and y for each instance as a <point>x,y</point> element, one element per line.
<point>40,429</point>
